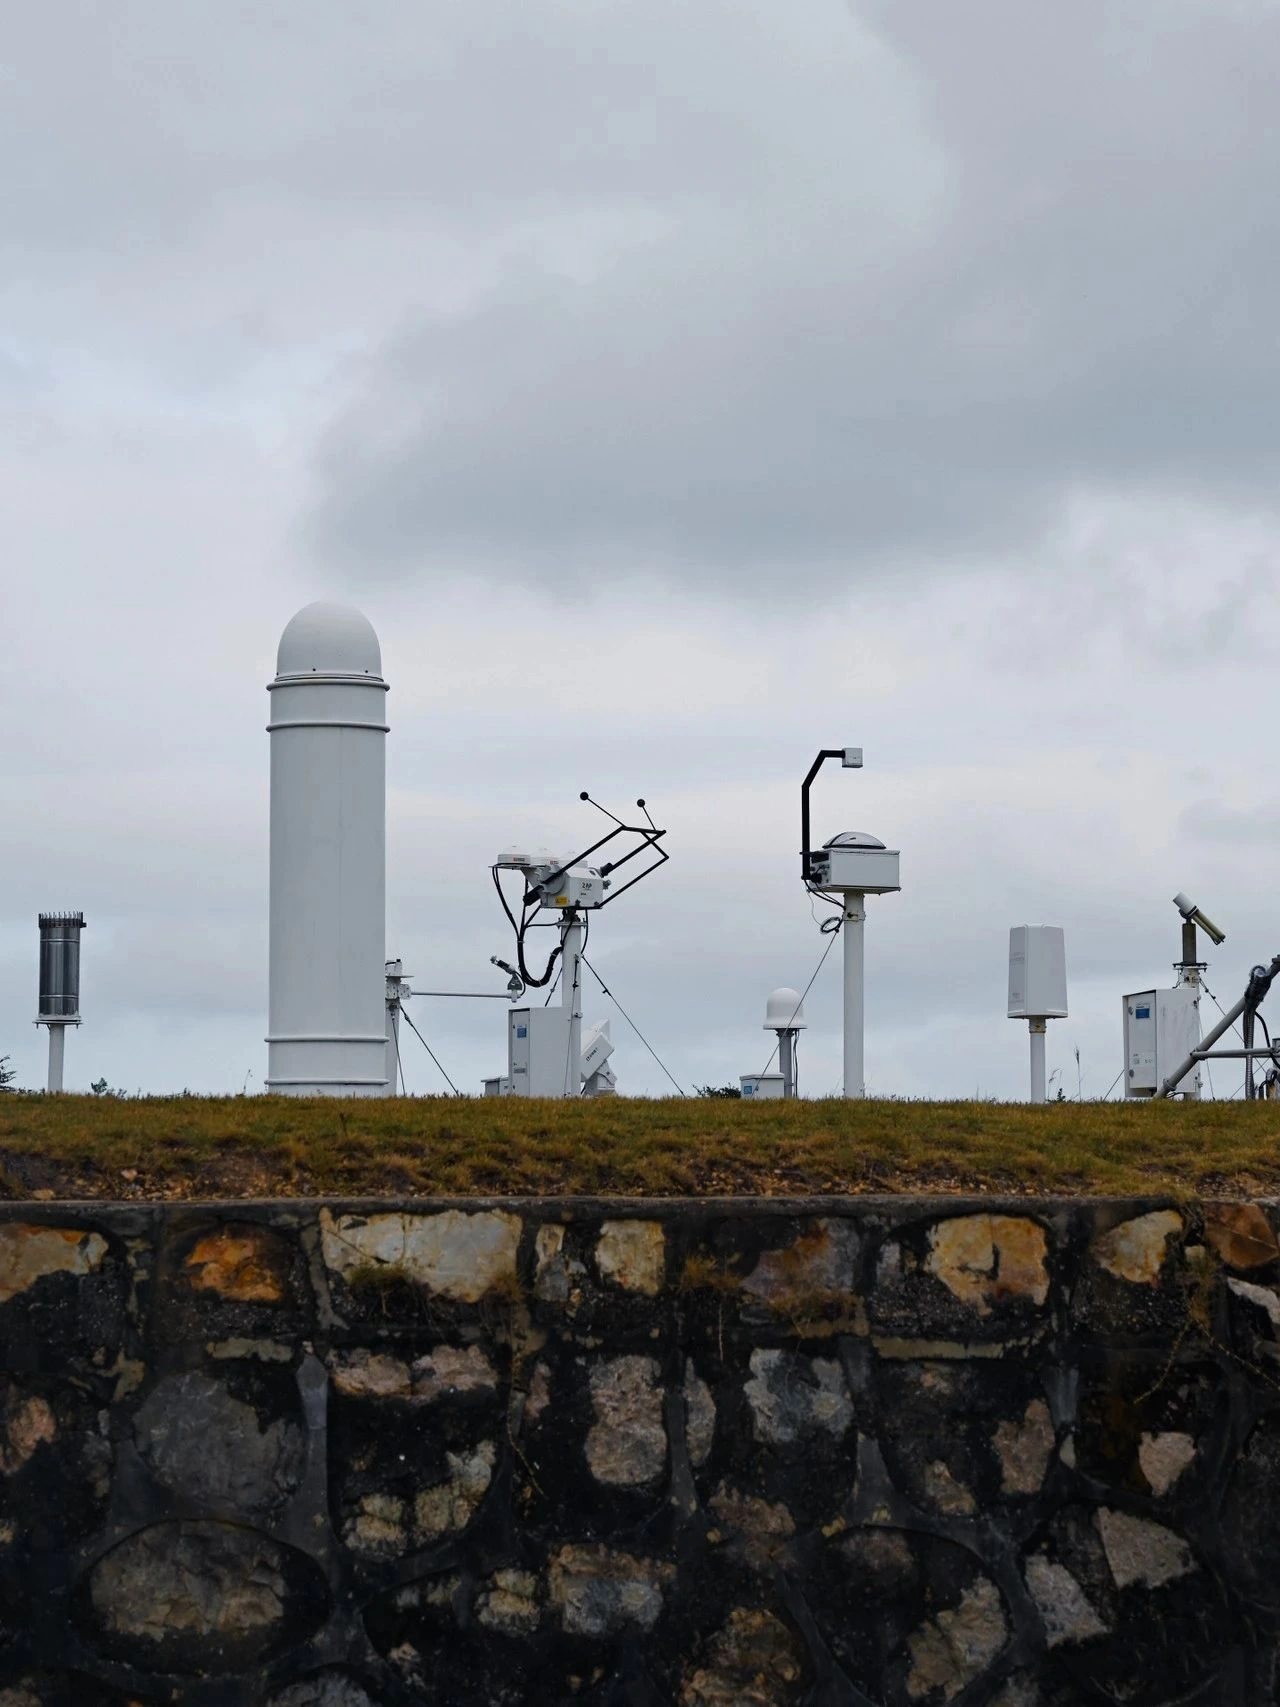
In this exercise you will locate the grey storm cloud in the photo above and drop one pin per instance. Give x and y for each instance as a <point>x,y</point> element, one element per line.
<point>973,263</point>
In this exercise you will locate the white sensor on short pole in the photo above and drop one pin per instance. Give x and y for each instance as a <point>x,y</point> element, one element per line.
<point>784,1015</point>
<point>1037,988</point>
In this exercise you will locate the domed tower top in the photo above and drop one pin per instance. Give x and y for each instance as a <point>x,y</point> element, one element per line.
<point>326,639</point>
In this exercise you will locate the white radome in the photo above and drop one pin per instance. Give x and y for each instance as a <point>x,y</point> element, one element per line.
<point>329,639</point>
<point>784,1011</point>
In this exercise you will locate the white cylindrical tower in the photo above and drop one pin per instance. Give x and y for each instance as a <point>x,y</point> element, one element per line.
<point>326,1028</point>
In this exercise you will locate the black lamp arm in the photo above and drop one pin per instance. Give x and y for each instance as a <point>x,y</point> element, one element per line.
<point>806,852</point>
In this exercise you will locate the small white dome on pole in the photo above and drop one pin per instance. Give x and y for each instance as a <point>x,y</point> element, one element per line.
<point>784,1011</point>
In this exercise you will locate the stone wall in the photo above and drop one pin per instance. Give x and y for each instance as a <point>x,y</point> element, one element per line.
<point>1018,1453</point>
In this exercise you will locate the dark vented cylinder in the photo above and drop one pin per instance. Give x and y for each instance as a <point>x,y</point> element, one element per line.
<point>60,965</point>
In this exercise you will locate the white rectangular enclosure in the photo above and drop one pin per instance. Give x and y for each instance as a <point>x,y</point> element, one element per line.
<point>1037,972</point>
<point>762,1086</point>
<point>868,870</point>
<point>538,1052</point>
<point>1161,1028</point>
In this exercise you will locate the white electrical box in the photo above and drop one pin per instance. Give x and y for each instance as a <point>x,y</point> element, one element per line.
<point>582,886</point>
<point>1037,972</point>
<point>538,1052</point>
<point>855,861</point>
<point>760,1086</point>
<point>1161,1028</point>
<point>556,884</point>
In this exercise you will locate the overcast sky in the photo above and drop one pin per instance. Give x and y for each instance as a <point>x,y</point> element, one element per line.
<point>679,386</point>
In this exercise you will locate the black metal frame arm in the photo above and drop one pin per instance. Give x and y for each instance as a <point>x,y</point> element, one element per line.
<point>649,837</point>
<point>806,852</point>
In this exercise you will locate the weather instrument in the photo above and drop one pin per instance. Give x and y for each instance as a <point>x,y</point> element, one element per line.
<point>59,1001</point>
<point>1037,988</point>
<point>546,1055</point>
<point>852,866</point>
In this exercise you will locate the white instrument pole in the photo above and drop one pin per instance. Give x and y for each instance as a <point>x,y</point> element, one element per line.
<point>1038,1028</point>
<point>855,918</point>
<point>57,1050</point>
<point>571,998</point>
<point>787,1062</point>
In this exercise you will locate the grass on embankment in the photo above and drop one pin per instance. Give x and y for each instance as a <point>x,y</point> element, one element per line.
<point>182,1147</point>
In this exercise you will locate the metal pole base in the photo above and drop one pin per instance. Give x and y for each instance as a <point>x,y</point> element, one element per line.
<point>1037,1028</point>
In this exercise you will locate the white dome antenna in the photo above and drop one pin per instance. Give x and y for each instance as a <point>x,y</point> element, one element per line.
<point>784,1015</point>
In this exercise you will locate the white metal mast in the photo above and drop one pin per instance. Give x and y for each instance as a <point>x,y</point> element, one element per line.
<point>571,997</point>
<point>854,927</point>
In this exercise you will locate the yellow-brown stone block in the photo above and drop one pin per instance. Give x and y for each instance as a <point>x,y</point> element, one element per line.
<point>247,1264</point>
<point>29,1253</point>
<point>986,1259</point>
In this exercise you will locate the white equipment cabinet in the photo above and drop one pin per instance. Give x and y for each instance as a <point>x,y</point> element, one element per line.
<point>538,1052</point>
<point>538,1044</point>
<point>762,1087</point>
<point>1161,1028</point>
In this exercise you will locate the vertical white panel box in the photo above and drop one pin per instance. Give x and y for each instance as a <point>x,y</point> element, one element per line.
<point>597,1046</point>
<point>538,1052</point>
<point>1161,1028</point>
<point>1037,972</point>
